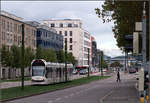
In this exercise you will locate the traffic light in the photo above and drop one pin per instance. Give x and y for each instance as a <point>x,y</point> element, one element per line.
<point>146,80</point>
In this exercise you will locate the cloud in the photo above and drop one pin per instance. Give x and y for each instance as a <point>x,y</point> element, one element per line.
<point>113,52</point>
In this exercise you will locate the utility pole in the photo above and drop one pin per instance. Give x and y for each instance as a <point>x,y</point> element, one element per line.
<point>65,60</point>
<point>99,62</point>
<point>144,37</point>
<point>144,93</point>
<point>125,61</point>
<point>149,46</point>
<point>101,53</point>
<point>88,63</point>
<point>22,60</point>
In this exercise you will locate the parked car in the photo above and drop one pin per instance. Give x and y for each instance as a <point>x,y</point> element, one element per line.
<point>75,71</point>
<point>83,71</point>
<point>132,70</point>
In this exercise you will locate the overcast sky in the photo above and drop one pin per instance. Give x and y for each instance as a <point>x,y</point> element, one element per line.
<point>40,10</point>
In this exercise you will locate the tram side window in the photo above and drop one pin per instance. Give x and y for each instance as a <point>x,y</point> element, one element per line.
<point>49,72</point>
<point>60,72</point>
<point>57,72</point>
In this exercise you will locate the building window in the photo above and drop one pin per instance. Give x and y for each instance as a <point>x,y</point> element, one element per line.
<point>65,39</point>
<point>70,47</point>
<point>52,25</point>
<point>65,33</point>
<point>75,25</point>
<point>60,32</point>
<point>70,33</point>
<point>61,25</point>
<point>69,25</point>
<point>11,27</point>
<point>70,40</point>
<point>7,26</point>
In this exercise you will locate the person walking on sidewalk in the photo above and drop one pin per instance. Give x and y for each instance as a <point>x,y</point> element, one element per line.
<point>118,76</point>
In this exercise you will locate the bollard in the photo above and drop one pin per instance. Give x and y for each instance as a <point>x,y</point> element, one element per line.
<point>142,98</point>
<point>147,97</point>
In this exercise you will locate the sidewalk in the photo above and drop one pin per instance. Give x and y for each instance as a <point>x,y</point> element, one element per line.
<point>124,92</point>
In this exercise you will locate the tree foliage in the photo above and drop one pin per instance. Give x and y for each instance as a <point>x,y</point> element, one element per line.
<point>12,58</point>
<point>71,58</point>
<point>5,56</point>
<point>29,56</point>
<point>50,55</point>
<point>39,52</point>
<point>61,56</point>
<point>15,56</point>
<point>116,64</point>
<point>124,14</point>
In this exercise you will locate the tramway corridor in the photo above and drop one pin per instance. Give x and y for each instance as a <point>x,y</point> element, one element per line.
<point>93,92</point>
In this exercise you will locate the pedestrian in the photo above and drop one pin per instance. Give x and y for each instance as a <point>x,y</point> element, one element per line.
<point>118,76</point>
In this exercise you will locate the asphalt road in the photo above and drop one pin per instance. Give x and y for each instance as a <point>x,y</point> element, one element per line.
<point>88,93</point>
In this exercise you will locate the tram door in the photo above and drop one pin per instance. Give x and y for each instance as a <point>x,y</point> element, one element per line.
<point>49,74</point>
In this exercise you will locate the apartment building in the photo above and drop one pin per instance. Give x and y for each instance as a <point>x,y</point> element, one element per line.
<point>94,51</point>
<point>47,37</point>
<point>73,33</point>
<point>86,46</point>
<point>11,34</point>
<point>11,31</point>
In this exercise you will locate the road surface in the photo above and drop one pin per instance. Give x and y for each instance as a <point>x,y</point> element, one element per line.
<point>89,93</point>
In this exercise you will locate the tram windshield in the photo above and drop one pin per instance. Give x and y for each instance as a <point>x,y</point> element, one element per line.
<point>37,70</point>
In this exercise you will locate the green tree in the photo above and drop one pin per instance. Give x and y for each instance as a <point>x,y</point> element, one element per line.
<point>39,52</point>
<point>16,56</point>
<point>71,58</point>
<point>124,14</point>
<point>50,55</point>
<point>115,64</point>
<point>29,56</point>
<point>5,57</point>
<point>61,56</point>
<point>104,64</point>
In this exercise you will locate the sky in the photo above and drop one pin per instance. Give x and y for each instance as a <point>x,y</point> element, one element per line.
<point>83,10</point>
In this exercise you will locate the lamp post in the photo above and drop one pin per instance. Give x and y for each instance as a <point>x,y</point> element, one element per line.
<point>65,60</point>
<point>88,63</point>
<point>22,60</point>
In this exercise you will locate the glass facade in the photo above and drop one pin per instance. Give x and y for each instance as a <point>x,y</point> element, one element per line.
<point>48,39</point>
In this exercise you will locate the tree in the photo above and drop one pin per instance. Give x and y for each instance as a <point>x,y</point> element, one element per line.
<point>104,64</point>
<point>71,58</point>
<point>61,56</point>
<point>124,15</point>
<point>50,55</point>
<point>39,52</point>
<point>29,56</point>
<point>5,56</point>
<point>115,64</point>
<point>16,56</point>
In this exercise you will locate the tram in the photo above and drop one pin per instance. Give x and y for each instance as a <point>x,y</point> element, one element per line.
<point>43,72</point>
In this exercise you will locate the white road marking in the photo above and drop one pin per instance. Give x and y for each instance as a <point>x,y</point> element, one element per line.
<point>66,96</point>
<point>50,101</point>
<point>57,99</point>
<point>72,94</point>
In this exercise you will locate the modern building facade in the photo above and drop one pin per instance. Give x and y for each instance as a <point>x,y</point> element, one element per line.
<point>86,46</point>
<point>11,31</point>
<point>47,37</point>
<point>73,33</point>
<point>94,51</point>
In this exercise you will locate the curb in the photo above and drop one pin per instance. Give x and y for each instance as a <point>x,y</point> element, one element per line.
<point>15,98</point>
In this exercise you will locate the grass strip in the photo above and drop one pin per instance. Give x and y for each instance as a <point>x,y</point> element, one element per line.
<point>15,92</point>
